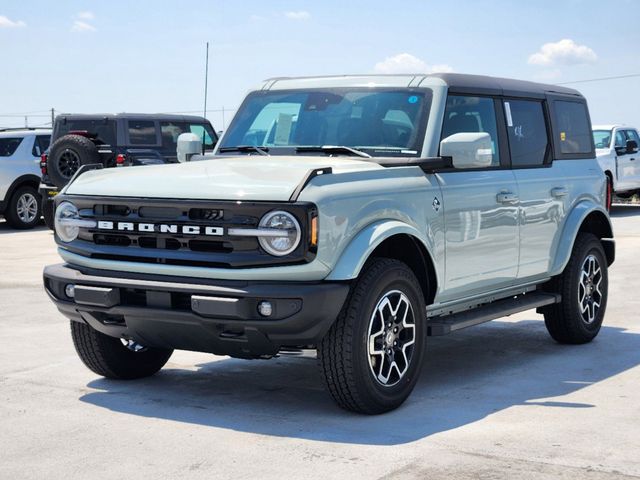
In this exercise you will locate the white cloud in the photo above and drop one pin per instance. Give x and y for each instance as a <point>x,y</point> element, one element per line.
<point>86,15</point>
<point>564,52</point>
<point>80,26</point>
<point>8,23</point>
<point>299,15</point>
<point>407,63</point>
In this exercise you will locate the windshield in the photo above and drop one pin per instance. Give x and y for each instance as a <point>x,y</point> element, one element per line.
<point>380,122</point>
<point>602,138</point>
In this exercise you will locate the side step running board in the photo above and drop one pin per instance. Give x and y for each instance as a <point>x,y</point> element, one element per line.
<point>443,325</point>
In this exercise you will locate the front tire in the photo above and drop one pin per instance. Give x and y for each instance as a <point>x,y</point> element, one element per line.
<point>372,356</point>
<point>584,286</point>
<point>24,209</point>
<point>111,358</point>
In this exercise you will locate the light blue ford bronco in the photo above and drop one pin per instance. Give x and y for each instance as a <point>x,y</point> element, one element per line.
<point>356,215</point>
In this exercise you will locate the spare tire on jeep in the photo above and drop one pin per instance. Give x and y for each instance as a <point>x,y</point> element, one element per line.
<point>67,154</point>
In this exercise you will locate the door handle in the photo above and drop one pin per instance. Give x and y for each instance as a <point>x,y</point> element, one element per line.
<point>559,192</point>
<point>506,197</point>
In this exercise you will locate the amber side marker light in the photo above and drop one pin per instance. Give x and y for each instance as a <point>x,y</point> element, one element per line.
<point>314,231</point>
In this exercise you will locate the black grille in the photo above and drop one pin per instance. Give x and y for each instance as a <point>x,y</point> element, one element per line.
<point>163,240</point>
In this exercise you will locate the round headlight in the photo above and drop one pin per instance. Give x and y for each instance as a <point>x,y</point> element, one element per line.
<point>284,236</point>
<point>66,232</point>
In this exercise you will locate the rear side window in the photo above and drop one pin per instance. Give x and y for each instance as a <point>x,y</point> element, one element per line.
<point>8,146</point>
<point>572,127</point>
<point>465,114</point>
<point>527,131</point>
<point>142,132</point>
<point>103,130</point>
<point>40,145</point>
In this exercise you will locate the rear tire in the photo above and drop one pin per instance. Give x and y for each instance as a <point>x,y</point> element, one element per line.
<point>109,357</point>
<point>371,335</point>
<point>67,154</point>
<point>583,285</point>
<point>24,209</point>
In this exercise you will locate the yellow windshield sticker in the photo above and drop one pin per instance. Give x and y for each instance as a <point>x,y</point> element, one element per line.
<point>563,136</point>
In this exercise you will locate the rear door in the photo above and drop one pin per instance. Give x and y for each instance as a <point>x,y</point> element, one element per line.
<point>480,205</point>
<point>625,162</point>
<point>633,158</point>
<point>543,190</point>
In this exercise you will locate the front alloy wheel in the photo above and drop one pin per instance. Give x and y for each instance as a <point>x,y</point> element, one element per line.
<point>372,356</point>
<point>392,335</point>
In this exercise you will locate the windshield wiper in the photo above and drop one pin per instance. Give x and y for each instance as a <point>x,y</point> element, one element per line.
<point>333,149</point>
<point>245,148</point>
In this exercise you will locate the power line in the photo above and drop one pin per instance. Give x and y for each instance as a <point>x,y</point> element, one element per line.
<point>601,79</point>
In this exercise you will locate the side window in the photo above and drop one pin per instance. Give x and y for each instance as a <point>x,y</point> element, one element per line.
<point>526,127</point>
<point>621,140</point>
<point>633,135</point>
<point>572,127</point>
<point>142,132</point>
<point>9,145</point>
<point>465,114</point>
<point>203,130</point>
<point>40,145</point>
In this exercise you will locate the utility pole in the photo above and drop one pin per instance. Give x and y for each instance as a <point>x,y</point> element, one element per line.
<point>26,122</point>
<point>206,84</point>
<point>53,116</point>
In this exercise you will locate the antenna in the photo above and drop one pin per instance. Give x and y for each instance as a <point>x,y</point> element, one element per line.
<point>206,84</point>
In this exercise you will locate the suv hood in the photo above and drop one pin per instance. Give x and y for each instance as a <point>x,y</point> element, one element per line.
<point>222,178</point>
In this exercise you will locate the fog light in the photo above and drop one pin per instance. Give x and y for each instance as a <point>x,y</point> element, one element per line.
<point>265,308</point>
<point>70,290</point>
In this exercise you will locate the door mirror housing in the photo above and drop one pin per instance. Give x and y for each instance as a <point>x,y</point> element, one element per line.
<point>189,144</point>
<point>632,146</point>
<point>468,149</point>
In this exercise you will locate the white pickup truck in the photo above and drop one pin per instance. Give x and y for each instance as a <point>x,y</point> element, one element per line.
<point>617,153</point>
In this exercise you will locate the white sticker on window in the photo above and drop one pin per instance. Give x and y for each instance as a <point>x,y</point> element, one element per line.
<point>283,129</point>
<point>507,111</point>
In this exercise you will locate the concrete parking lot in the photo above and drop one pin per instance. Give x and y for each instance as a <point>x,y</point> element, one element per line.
<point>501,400</point>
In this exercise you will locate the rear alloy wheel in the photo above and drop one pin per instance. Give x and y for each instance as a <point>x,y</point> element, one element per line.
<point>372,356</point>
<point>583,285</point>
<point>24,209</point>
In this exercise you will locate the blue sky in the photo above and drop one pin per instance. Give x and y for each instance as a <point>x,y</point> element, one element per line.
<point>148,56</point>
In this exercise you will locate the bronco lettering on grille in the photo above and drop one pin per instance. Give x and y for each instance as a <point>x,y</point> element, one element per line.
<point>161,228</point>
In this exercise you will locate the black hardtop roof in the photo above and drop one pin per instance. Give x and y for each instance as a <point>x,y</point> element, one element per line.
<point>462,83</point>
<point>145,116</point>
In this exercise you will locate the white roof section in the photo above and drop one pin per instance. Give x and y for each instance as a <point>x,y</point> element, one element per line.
<point>23,132</point>
<point>608,127</point>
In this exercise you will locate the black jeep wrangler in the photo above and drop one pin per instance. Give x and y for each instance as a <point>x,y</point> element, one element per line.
<point>123,139</point>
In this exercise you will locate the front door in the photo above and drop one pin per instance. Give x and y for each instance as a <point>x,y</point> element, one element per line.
<point>480,207</point>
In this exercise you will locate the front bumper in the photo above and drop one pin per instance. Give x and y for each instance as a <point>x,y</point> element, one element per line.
<point>219,317</point>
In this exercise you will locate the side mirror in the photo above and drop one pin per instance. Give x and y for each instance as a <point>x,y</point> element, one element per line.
<point>189,144</point>
<point>632,146</point>
<point>468,150</point>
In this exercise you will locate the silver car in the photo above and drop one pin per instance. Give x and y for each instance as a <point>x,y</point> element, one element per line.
<point>20,151</point>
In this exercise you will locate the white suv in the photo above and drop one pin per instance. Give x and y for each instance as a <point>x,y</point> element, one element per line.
<point>617,153</point>
<point>20,151</point>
